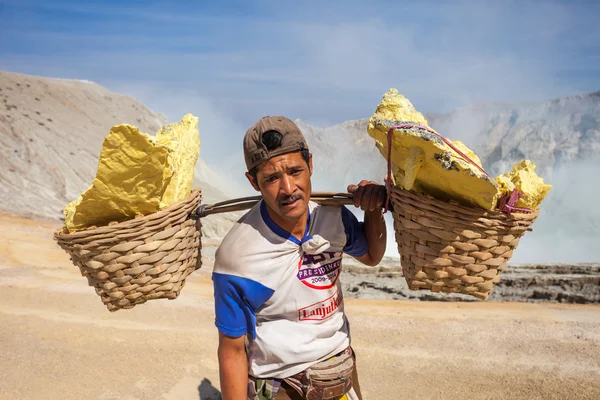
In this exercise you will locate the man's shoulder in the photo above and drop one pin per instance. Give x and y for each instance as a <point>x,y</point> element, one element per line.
<point>243,239</point>
<point>326,213</point>
<point>246,227</point>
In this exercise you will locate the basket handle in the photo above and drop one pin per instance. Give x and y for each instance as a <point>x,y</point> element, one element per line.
<point>245,203</point>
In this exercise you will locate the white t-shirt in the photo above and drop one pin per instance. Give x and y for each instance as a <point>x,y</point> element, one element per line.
<point>283,293</point>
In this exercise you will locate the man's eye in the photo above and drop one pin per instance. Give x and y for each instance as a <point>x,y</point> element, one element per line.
<point>296,171</point>
<point>271,179</point>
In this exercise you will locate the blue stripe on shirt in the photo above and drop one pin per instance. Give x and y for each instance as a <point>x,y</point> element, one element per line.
<point>279,230</point>
<point>356,241</point>
<point>236,302</point>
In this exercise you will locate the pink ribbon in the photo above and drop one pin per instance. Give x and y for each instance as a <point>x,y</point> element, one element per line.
<point>508,201</point>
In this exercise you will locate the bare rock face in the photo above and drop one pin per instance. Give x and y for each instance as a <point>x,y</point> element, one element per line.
<point>552,133</point>
<point>51,133</point>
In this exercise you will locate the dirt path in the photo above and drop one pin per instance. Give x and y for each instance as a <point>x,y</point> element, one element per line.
<point>57,341</point>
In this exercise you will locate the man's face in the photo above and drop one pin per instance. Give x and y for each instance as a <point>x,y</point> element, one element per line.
<point>284,182</point>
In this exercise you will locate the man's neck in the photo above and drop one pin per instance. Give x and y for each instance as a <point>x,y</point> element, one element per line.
<point>295,227</point>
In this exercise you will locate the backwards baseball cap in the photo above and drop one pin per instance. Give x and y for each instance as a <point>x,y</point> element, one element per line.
<point>255,150</point>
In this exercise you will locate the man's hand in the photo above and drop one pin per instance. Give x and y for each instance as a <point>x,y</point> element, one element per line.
<point>368,195</point>
<point>371,197</point>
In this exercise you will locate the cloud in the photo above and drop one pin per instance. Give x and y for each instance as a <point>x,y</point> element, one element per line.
<point>221,146</point>
<point>328,64</point>
<point>568,229</point>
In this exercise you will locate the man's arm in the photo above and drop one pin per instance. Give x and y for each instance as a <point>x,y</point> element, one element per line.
<point>370,197</point>
<point>236,301</point>
<point>233,367</point>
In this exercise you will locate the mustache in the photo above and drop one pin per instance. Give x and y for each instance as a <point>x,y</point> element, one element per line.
<point>291,198</point>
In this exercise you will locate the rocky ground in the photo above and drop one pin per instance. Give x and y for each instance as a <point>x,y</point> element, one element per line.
<point>532,283</point>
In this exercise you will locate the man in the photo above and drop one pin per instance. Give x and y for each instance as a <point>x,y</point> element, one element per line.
<point>278,300</point>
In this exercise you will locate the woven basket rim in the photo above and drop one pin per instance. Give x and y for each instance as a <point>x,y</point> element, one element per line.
<point>59,234</point>
<point>457,207</point>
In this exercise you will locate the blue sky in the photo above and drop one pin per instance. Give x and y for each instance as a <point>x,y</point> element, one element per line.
<point>231,62</point>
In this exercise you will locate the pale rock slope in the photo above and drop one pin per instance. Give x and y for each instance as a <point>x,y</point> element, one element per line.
<point>51,133</point>
<point>552,133</point>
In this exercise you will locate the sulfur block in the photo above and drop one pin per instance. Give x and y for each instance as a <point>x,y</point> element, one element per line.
<point>138,174</point>
<point>183,142</point>
<point>421,160</point>
<point>523,177</point>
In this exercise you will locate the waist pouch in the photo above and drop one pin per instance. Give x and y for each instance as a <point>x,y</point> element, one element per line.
<point>328,379</point>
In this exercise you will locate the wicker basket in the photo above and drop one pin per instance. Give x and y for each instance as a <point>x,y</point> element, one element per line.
<point>146,258</point>
<point>451,248</point>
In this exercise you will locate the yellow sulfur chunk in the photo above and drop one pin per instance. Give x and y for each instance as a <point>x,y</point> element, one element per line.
<point>523,177</point>
<point>467,152</point>
<point>138,174</point>
<point>183,142</point>
<point>421,161</point>
<point>130,181</point>
<point>395,107</point>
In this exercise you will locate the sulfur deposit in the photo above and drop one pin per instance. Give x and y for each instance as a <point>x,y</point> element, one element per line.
<point>424,161</point>
<point>138,174</point>
<point>523,177</point>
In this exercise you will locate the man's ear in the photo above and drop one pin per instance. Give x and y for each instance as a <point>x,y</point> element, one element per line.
<point>310,164</point>
<point>252,181</point>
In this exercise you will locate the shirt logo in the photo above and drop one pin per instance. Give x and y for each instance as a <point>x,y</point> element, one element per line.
<point>320,271</point>
<point>323,309</point>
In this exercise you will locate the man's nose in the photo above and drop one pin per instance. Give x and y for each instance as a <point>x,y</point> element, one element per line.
<point>287,186</point>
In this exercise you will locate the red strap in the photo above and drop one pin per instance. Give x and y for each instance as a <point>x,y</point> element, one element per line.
<point>388,180</point>
<point>449,143</point>
<point>508,201</point>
